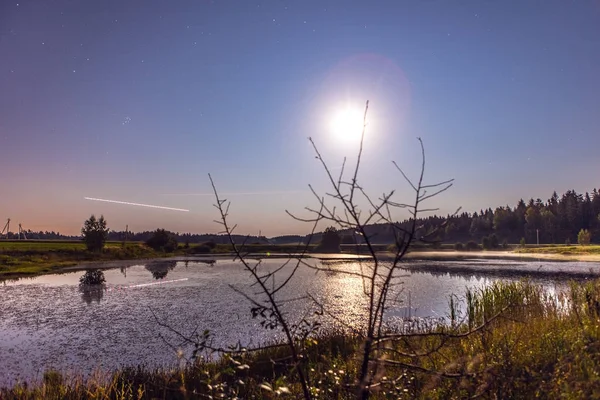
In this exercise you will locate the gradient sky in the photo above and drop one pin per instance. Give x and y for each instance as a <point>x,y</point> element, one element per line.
<point>138,100</point>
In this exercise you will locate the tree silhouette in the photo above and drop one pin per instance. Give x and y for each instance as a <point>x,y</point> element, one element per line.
<point>162,240</point>
<point>95,233</point>
<point>584,237</point>
<point>330,242</point>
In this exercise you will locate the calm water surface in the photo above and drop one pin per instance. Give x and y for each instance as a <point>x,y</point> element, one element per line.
<point>48,322</point>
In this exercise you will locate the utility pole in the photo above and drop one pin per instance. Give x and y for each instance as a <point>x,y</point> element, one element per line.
<point>126,232</point>
<point>21,230</point>
<point>6,228</point>
<point>537,232</point>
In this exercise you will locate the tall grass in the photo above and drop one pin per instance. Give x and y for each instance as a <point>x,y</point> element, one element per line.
<point>533,345</point>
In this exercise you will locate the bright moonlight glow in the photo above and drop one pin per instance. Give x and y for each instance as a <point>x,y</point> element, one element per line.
<point>347,124</point>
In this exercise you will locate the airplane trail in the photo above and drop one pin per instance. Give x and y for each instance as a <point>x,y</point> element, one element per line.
<point>136,204</point>
<point>236,193</point>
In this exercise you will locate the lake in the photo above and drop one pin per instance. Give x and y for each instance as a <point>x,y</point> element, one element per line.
<point>48,322</point>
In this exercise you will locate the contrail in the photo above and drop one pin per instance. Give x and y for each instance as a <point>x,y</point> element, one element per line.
<point>235,194</point>
<point>136,204</point>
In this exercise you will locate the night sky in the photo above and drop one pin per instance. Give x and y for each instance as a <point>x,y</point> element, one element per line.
<point>138,101</point>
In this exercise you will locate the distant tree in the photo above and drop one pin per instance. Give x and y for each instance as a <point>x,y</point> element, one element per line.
<point>459,246</point>
<point>162,240</point>
<point>94,233</point>
<point>330,242</point>
<point>548,221</point>
<point>505,244</point>
<point>505,221</point>
<point>485,243</point>
<point>450,230</point>
<point>480,225</point>
<point>210,244</point>
<point>568,241</point>
<point>494,241</point>
<point>584,237</point>
<point>200,249</point>
<point>533,219</point>
<point>522,243</point>
<point>472,245</point>
<point>348,239</point>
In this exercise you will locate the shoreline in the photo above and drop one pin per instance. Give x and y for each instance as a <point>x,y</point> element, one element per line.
<point>418,255</point>
<point>502,255</point>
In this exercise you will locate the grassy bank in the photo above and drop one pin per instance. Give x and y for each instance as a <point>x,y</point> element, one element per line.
<point>541,347</point>
<point>37,257</point>
<point>30,258</point>
<point>561,249</point>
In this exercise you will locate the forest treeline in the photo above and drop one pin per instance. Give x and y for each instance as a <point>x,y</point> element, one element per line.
<point>556,220</point>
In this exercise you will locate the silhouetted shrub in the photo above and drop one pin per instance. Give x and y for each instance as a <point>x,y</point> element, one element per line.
<point>505,244</point>
<point>162,240</point>
<point>436,245</point>
<point>200,249</point>
<point>486,243</point>
<point>522,243</point>
<point>348,239</point>
<point>210,244</point>
<point>95,233</point>
<point>471,245</point>
<point>584,237</point>
<point>459,246</point>
<point>330,242</point>
<point>494,241</point>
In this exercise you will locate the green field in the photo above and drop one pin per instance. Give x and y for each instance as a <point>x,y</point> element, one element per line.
<point>34,257</point>
<point>29,257</point>
<point>50,245</point>
<point>561,249</point>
